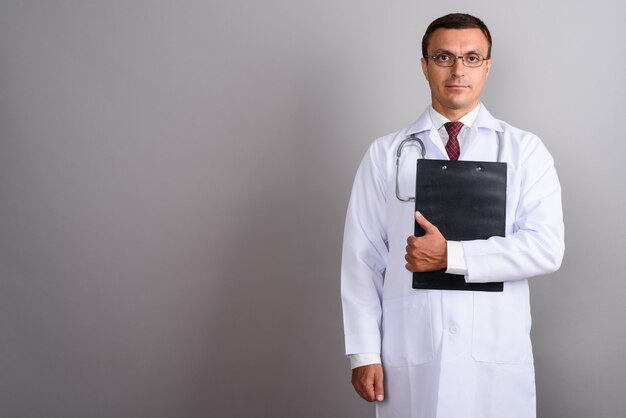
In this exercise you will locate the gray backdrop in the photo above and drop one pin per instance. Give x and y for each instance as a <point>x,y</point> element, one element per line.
<point>173,183</point>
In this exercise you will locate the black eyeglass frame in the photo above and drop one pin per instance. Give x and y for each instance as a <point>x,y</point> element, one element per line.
<point>456,57</point>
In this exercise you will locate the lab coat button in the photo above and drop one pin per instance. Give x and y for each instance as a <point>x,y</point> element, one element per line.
<point>454,329</point>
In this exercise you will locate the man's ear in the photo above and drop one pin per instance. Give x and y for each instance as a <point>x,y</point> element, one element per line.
<point>425,67</point>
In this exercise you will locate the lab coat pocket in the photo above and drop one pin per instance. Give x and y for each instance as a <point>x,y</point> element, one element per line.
<point>501,333</point>
<point>407,331</point>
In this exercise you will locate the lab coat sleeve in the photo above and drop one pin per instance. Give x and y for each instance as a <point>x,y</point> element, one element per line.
<point>535,243</point>
<point>364,256</point>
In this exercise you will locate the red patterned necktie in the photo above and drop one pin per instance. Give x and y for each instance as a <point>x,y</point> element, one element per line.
<point>452,147</point>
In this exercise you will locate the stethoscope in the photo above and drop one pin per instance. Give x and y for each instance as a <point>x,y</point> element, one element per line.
<point>410,138</point>
<point>413,138</point>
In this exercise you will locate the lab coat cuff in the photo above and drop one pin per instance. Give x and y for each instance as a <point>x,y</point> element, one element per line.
<point>456,258</point>
<point>364,359</point>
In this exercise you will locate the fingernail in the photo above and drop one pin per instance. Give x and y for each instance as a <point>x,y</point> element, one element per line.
<point>380,398</point>
<point>418,213</point>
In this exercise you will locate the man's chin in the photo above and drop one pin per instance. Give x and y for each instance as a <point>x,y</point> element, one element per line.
<point>459,103</point>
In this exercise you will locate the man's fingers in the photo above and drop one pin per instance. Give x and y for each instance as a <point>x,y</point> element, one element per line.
<point>368,382</point>
<point>427,252</point>
<point>424,223</point>
<point>378,387</point>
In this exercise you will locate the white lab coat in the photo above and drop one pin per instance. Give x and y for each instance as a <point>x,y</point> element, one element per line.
<point>450,354</point>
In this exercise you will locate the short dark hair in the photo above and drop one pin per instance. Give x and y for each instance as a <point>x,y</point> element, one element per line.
<point>455,21</point>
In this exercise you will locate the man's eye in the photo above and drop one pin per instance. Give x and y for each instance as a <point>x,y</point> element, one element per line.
<point>443,57</point>
<point>472,58</point>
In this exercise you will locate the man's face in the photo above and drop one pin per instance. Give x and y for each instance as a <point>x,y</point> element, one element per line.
<point>455,90</point>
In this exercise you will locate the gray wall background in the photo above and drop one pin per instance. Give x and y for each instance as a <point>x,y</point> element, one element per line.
<point>174,178</point>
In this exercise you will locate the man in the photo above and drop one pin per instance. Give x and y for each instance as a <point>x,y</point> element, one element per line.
<point>445,353</point>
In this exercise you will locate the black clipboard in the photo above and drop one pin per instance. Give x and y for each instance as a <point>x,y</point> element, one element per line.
<point>466,200</point>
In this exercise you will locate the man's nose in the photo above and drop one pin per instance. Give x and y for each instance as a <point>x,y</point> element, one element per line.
<point>458,68</point>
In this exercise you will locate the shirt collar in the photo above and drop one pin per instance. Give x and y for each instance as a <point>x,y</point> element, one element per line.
<point>483,119</point>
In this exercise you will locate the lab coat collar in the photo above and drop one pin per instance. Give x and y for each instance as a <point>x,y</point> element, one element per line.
<point>485,120</point>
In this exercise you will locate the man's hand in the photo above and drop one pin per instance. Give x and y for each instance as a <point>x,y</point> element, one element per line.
<point>428,252</point>
<point>368,382</point>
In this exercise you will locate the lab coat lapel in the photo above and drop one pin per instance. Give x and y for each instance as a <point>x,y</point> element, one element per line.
<point>438,151</point>
<point>426,131</point>
<point>482,136</point>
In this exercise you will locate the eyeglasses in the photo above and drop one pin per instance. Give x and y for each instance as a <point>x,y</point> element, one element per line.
<point>447,59</point>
